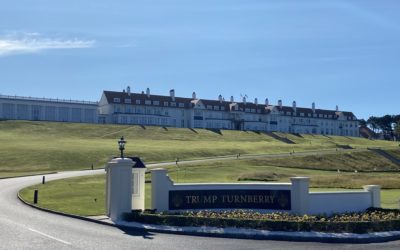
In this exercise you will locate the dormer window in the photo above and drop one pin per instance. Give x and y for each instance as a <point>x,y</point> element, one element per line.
<point>137,101</point>
<point>181,105</point>
<point>147,102</point>
<point>128,101</point>
<point>117,100</point>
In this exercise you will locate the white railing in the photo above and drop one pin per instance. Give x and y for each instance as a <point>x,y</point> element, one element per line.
<point>15,97</point>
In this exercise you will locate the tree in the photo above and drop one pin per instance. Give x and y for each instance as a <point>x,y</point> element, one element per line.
<point>397,130</point>
<point>372,122</point>
<point>388,125</point>
<point>363,123</point>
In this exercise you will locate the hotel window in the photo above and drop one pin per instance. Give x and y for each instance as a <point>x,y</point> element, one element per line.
<point>166,104</point>
<point>138,110</point>
<point>117,100</point>
<point>181,105</point>
<point>128,101</point>
<point>137,101</point>
<point>117,109</point>
<point>147,102</point>
<point>156,103</point>
<point>173,104</point>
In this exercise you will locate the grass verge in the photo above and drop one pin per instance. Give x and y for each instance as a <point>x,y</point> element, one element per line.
<point>56,146</point>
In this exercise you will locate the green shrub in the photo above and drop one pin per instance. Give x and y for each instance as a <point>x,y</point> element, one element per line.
<point>370,221</point>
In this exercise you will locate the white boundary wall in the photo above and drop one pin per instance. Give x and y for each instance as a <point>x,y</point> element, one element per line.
<point>302,201</point>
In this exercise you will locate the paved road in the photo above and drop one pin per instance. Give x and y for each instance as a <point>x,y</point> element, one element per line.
<point>254,156</point>
<point>23,227</point>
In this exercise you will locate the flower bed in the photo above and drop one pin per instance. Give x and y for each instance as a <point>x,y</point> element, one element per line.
<point>372,220</point>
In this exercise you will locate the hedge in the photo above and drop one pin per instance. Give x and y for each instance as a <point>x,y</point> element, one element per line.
<point>263,224</point>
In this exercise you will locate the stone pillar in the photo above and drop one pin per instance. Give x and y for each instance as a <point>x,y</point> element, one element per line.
<point>118,187</point>
<point>375,191</point>
<point>300,195</point>
<point>160,186</point>
<point>138,188</point>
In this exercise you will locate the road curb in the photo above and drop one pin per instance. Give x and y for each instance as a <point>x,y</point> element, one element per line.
<point>236,233</point>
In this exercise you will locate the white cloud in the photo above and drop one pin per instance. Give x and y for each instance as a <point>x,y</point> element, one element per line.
<point>35,42</point>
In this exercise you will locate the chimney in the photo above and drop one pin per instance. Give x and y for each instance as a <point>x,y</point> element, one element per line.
<point>294,106</point>
<point>232,100</point>
<point>128,90</point>
<point>194,95</point>
<point>220,98</point>
<point>148,92</point>
<point>337,108</point>
<point>313,107</point>
<point>172,94</point>
<point>255,101</point>
<point>266,102</point>
<point>244,100</point>
<point>280,103</point>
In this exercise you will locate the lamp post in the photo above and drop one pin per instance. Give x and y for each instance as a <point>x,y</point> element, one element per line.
<point>121,144</point>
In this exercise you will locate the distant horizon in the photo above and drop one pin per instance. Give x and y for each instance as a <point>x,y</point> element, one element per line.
<point>343,53</point>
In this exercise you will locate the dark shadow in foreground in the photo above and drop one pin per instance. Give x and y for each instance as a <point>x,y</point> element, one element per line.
<point>137,232</point>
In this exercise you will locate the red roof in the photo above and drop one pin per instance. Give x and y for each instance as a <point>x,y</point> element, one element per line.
<point>244,107</point>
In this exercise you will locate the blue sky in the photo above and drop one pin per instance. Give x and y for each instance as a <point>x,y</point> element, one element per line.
<point>344,53</point>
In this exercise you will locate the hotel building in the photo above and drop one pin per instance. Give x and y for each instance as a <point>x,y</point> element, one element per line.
<point>144,108</point>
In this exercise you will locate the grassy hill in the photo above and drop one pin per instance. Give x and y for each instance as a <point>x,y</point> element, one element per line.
<point>38,147</point>
<point>28,147</point>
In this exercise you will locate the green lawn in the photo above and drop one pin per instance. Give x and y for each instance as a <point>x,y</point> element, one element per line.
<point>27,146</point>
<point>77,195</point>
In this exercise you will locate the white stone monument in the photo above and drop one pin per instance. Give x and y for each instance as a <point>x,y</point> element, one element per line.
<point>119,188</point>
<point>138,184</point>
<point>125,184</point>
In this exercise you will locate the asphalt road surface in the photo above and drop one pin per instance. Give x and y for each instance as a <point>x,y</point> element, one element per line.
<point>23,227</point>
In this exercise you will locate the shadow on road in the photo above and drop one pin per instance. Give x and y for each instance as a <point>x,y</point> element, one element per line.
<point>137,232</point>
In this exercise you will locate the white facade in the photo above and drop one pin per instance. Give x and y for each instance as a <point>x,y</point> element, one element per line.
<point>43,109</point>
<point>170,111</point>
